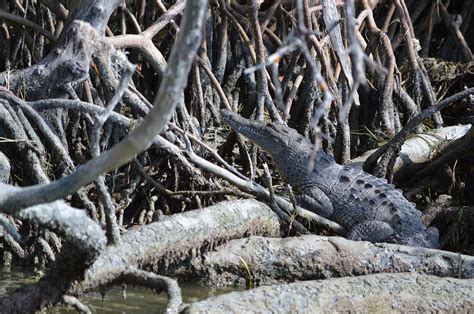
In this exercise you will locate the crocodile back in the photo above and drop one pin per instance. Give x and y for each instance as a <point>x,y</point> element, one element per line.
<point>358,197</point>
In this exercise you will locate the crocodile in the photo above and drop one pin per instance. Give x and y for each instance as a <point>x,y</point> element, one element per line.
<point>369,207</point>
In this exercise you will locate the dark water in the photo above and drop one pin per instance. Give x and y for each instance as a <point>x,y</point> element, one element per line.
<point>138,300</point>
<point>12,278</point>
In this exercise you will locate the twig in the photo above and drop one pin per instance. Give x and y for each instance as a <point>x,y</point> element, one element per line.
<point>156,282</point>
<point>113,232</point>
<point>388,152</point>
<point>140,138</point>
<point>76,304</point>
<point>458,36</point>
<point>10,228</point>
<point>257,190</point>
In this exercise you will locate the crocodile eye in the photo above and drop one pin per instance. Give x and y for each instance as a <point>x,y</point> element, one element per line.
<point>272,126</point>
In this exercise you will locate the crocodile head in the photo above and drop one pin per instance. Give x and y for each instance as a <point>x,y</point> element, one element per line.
<point>290,151</point>
<point>274,138</point>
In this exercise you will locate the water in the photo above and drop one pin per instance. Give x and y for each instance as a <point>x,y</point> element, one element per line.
<point>138,300</point>
<point>12,278</point>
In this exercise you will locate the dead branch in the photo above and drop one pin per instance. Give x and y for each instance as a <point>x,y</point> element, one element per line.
<point>138,140</point>
<point>418,150</point>
<point>156,245</point>
<point>382,292</point>
<point>84,242</point>
<point>389,151</point>
<point>156,282</point>
<point>263,261</point>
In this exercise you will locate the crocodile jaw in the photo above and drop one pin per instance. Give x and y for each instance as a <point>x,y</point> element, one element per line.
<point>258,132</point>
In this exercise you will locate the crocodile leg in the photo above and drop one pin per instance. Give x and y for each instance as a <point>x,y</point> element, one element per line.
<point>373,231</point>
<point>317,202</point>
<point>432,234</point>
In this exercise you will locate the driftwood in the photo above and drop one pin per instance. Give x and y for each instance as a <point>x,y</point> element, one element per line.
<point>381,162</point>
<point>65,98</point>
<point>84,242</point>
<point>83,236</point>
<point>418,150</point>
<point>260,260</point>
<point>175,237</point>
<point>372,293</point>
<point>5,168</point>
